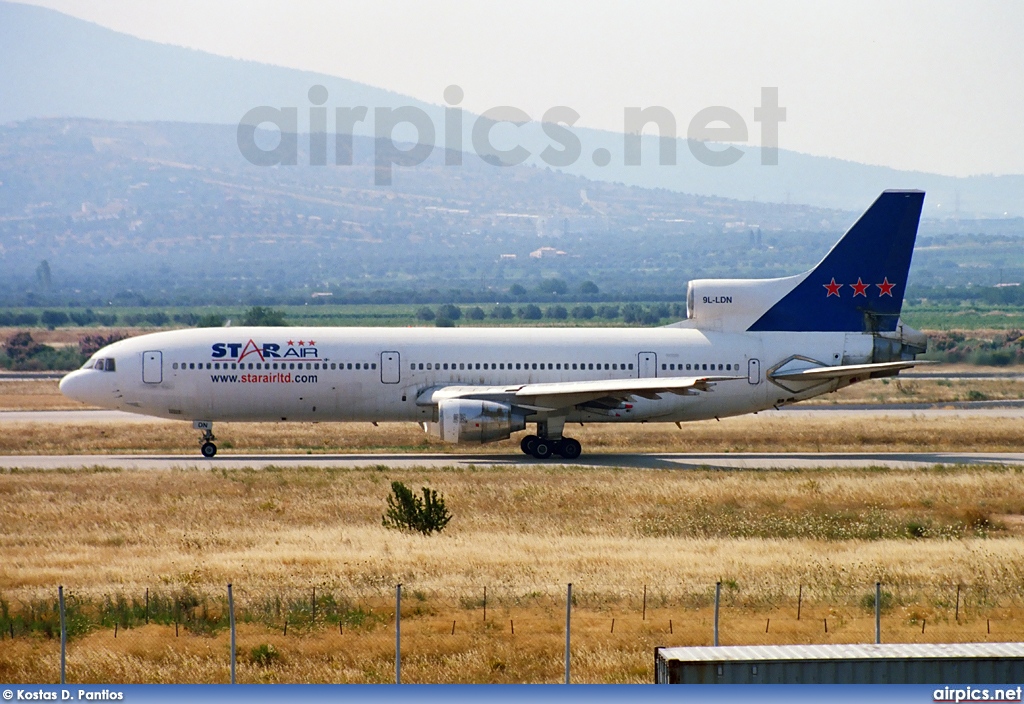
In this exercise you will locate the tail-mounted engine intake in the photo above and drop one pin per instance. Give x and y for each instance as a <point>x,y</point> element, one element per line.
<point>470,421</point>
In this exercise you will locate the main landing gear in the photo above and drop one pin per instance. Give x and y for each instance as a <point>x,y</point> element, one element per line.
<point>206,445</point>
<point>544,448</point>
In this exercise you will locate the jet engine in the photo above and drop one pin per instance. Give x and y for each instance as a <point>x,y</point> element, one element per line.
<point>470,421</point>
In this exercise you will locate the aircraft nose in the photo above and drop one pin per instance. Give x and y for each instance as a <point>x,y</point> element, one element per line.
<point>81,386</point>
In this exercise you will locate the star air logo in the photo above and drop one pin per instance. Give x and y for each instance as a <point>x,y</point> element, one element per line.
<point>238,351</point>
<point>859,289</point>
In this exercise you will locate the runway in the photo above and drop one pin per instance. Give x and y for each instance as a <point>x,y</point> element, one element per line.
<point>649,461</point>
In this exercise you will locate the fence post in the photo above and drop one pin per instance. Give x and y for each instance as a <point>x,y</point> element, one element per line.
<point>231,623</point>
<point>878,613</point>
<point>799,601</point>
<point>398,634</point>
<point>644,617</point>
<point>63,636</point>
<point>568,625</point>
<point>147,605</point>
<point>718,598</point>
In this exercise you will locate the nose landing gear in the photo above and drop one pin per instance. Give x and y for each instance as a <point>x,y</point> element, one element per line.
<point>206,445</point>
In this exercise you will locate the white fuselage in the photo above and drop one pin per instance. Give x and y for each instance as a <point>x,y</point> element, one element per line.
<point>382,374</point>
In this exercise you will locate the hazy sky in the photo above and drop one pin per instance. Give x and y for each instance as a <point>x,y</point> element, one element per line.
<point>936,86</point>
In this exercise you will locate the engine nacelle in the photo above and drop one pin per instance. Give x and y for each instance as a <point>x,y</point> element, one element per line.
<point>470,421</point>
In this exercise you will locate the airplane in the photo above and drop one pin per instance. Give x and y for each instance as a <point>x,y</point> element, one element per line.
<point>746,345</point>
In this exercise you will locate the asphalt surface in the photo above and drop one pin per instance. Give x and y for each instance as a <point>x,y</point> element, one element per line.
<point>662,461</point>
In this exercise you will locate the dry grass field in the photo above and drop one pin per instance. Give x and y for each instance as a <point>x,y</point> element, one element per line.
<point>522,532</point>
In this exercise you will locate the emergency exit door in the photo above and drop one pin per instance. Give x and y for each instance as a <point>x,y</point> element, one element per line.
<point>753,371</point>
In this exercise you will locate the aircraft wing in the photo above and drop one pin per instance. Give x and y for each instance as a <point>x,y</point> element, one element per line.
<point>822,373</point>
<point>565,394</point>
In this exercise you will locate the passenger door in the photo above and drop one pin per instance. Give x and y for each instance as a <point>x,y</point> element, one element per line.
<point>390,367</point>
<point>152,367</point>
<point>648,365</point>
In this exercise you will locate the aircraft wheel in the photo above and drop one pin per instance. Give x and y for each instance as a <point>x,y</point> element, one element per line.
<point>570,449</point>
<point>527,443</point>
<point>208,449</point>
<point>542,449</point>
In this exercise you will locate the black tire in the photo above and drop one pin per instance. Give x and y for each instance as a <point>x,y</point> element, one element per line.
<point>570,449</point>
<point>208,449</point>
<point>527,443</point>
<point>542,449</point>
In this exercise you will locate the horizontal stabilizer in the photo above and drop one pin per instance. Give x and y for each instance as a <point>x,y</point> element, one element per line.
<point>846,371</point>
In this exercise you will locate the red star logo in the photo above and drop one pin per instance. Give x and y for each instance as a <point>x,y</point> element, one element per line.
<point>833,288</point>
<point>290,343</point>
<point>300,343</point>
<point>311,343</point>
<point>860,288</point>
<point>885,287</point>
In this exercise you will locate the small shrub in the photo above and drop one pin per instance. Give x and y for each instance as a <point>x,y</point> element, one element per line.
<point>407,511</point>
<point>264,655</point>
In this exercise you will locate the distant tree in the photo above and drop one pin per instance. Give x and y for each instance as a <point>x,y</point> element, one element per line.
<point>20,347</point>
<point>588,288</point>
<point>556,313</point>
<point>81,318</point>
<point>500,312</point>
<point>476,313</point>
<point>555,286</point>
<point>449,311</point>
<point>210,320</point>
<point>157,318</point>
<point>584,312</point>
<point>91,344</point>
<point>443,322</point>
<point>632,312</point>
<point>265,317</point>
<point>530,312</point>
<point>54,318</point>
<point>26,318</point>
<point>517,290</point>
<point>425,313</point>
<point>608,312</point>
<point>43,275</point>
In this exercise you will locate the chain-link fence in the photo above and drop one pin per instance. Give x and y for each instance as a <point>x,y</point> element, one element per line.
<point>484,634</point>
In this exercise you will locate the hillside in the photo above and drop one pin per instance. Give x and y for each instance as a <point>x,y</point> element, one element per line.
<point>53,65</point>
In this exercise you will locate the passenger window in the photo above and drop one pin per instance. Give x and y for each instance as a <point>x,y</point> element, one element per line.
<point>209,366</point>
<point>275,365</point>
<point>502,365</point>
<point>421,366</point>
<point>534,365</point>
<point>174,366</point>
<point>412,366</point>
<point>191,365</point>
<point>574,366</point>
<point>606,366</point>
<point>705,367</point>
<point>357,365</point>
<point>664,367</point>
<point>446,366</point>
<point>478,365</point>
<point>517,365</point>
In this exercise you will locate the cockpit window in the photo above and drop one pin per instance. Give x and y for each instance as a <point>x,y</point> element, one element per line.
<point>104,364</point>
<point>109,365</point>
<point>98,365</point>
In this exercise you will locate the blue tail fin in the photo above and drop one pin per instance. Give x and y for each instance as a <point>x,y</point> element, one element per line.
<point>860,284</point>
